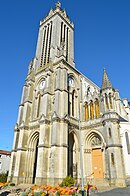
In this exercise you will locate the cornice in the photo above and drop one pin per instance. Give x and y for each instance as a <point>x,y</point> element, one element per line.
<point>113,145</point>
<point>54,14</point>
<point>59,145</point>
<point>44,146</point>
<point>61,90</point>
<point>21,149</point>
<point>91,126</point>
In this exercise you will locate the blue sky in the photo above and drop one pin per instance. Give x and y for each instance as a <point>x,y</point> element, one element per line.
<point>102,39</point>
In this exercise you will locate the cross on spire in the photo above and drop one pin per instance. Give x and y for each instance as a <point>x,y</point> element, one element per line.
<point>58,4</point>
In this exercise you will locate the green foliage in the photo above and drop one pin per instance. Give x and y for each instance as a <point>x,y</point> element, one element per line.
<point>3,177</point>
<point>38,193</point>
<point>23,194</point>
<point>57,193</point>
<point>68,182</point>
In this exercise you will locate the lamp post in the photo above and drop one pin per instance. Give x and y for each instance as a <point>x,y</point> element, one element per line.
<point>81,155</point>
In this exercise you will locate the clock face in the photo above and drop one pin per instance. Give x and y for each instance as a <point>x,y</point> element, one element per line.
<point>71,82</point>
<point>42,85</point>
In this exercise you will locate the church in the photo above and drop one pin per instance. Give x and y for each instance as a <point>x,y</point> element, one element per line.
<point>64,116</point>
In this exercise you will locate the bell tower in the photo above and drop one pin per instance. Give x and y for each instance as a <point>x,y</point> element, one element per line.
<point>55,38</point>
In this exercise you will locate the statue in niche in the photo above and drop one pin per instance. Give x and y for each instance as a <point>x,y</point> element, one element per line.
<point>52,156</point>
<point>89,93</point>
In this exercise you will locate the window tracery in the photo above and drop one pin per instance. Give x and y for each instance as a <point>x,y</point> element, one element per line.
<point>96,141</point>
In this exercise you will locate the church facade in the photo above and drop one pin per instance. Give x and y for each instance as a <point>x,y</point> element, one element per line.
<point>62,112</point>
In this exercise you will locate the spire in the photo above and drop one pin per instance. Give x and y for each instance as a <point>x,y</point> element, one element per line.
<point>105,81</point>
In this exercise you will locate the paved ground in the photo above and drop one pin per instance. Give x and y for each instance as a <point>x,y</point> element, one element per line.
<point>113,192</point>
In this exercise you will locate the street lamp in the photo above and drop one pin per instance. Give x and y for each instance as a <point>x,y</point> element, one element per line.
<point>81,157</point>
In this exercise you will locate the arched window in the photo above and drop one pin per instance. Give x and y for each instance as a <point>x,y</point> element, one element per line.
<point>97,111</point>
<point>127,142</point>
<point>110,100</point>
<point>38,105</point>
<point>91,110</point>
<point>106,101</point>
<point>73,100</point>
<point>86,112</point>
<point>109,132</point>
<point>112,159</point>
<point>70,95</point>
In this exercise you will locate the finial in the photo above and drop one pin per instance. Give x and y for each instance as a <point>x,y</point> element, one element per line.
<point>58,4</point>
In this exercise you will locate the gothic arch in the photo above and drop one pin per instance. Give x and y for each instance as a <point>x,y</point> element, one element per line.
<point>94,143</point>
<point>39,80</point>
<point>32,138</point>
<point>32,151</point>
<point>76,137</point>
<point>91,134</point>
<point>71,75</point>
<point>73,143</point>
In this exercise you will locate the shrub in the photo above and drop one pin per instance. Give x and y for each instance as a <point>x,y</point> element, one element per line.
<point>3,177</point>
<point>68,181</point>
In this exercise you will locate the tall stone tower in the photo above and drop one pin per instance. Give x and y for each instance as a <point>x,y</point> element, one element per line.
<point>110,120</point>
<point>46,137</point>
<point>41,134</point>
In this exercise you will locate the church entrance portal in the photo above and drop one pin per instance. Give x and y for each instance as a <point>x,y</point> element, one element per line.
<point>35,162</point>
<point>95,155</point>
<point>97,163</point>
<point>70,154</point>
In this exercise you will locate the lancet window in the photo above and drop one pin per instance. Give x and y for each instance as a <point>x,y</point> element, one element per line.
<point>38,105</point>
<point>109,132</point>
<point>110,100</point>
<point>127,142</point>
<point>86,112</point>
<point>73,101</point>
<point>112,159</point>
<point>106,101</point>
<point>97,110</point>
<point>46,44</point>
<point>91,110</point>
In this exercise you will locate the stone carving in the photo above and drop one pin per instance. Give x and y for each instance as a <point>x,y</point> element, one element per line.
<point>30,67</point>
<point>61,49</point>
<point>96,141</point>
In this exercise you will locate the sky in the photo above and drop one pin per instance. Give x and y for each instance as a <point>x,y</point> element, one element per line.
<point>102,40</point>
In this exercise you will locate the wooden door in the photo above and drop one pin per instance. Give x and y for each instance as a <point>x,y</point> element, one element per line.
<point>97,163</point>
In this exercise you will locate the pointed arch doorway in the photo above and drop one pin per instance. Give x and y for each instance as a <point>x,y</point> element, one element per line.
<point>32,157</point>
<point>96,155</point>
<point>35,161</point>
<point>72,156</point>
